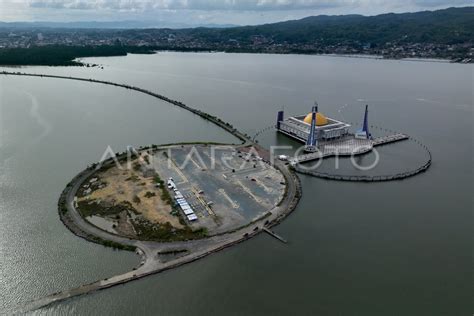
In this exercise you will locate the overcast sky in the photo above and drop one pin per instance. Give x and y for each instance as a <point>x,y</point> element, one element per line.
<point>204,11</point>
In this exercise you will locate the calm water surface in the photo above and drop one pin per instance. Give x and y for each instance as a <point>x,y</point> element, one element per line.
<point>372,249</point>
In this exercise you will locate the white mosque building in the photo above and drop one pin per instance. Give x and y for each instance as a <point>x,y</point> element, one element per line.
<point>299,127</point>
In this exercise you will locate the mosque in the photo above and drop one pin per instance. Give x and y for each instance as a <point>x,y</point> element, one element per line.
<point>315,127</point>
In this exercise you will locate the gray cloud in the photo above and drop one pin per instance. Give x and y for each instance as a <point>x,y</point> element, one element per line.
<point>231,5</point>
<point>204,5</point>
<point>205,11</point>
<point>437,3</point>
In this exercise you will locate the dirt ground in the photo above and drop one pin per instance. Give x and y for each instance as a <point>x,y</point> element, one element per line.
<point>125,186</point>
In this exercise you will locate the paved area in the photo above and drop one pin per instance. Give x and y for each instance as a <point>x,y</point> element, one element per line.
<point>347,146</point>
<point>226,188</point>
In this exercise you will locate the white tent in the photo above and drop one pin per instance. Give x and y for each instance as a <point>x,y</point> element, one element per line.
<point>192,217</point>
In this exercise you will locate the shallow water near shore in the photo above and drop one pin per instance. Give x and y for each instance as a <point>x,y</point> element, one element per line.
<point>384,248</point>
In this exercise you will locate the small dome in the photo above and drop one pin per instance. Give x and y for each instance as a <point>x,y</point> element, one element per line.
<point>320,119</point>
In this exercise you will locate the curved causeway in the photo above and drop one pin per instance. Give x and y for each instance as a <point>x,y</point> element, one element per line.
<point>181,251</point>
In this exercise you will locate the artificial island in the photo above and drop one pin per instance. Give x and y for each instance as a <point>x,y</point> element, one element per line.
<point>180,192</point>
<point>174,204</point>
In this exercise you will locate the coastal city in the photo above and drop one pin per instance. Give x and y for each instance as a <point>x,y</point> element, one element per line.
<point>251,42</point>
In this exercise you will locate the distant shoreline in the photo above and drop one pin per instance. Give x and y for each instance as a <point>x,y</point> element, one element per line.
<point>414,59</point>
<point>376,57</point>
<point>47,56</point>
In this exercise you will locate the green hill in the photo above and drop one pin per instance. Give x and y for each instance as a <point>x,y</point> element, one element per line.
<point>449,26</point>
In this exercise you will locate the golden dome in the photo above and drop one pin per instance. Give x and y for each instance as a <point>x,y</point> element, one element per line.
<point>320,119</point>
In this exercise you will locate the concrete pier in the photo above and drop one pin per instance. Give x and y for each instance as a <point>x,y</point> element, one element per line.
<point>422,167</point>
<point>274,235</point>
<point>347,146</point>
<point>389,139</point>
